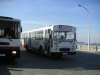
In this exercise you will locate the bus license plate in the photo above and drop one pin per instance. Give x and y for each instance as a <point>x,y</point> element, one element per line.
<point>2,54</point>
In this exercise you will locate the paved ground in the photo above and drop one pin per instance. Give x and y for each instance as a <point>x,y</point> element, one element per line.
<point>83,63</point>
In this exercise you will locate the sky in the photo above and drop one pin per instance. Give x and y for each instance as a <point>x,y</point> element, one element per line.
<point>40,13</point>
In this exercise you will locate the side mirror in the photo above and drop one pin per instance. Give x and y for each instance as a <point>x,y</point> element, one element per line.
<point>21,29</point>
<point>50,37</point>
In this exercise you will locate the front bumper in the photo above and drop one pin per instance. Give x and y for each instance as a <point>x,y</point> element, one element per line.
<point>68,53</point>
<point>10,52</point>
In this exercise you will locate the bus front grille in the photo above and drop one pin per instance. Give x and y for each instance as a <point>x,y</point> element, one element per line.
<point>64,49</point>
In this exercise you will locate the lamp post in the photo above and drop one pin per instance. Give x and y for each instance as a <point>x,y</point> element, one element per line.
<point>88,26</point>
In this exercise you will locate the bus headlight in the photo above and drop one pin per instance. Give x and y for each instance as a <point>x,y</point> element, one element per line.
<point>14,52</point>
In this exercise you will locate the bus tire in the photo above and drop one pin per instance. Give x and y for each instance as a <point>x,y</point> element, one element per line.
<point>48,53</point>
<point>41,52</point>
<point>27,47</point>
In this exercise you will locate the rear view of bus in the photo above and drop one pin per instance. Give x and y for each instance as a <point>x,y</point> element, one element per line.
<point>10,30</point>
<point>64,40</point>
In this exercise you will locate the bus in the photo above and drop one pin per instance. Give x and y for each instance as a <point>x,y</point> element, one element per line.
<point>51,40</point>
<point>10,30</point>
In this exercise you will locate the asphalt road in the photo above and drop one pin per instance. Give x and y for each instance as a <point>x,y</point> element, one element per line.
<point>30,63</point>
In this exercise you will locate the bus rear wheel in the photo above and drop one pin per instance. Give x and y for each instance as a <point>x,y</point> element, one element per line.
<point>27,48</point>
<point>41,52</point>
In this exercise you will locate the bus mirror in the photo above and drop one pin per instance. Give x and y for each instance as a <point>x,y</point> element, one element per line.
<point>21,29</point>
<point>50,36</point>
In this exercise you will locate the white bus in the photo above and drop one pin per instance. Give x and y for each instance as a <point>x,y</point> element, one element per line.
<point>51,40</point>
<point>10,29</point>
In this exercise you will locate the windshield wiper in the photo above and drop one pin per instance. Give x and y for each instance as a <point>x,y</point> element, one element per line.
<point>8,37</point>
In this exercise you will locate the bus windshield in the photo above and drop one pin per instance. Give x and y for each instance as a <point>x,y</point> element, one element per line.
<point>64,36</point>
<point>9,29</point>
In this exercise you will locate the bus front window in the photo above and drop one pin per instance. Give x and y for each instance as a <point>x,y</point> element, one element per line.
<point>70,35</point>
<point>9,29</point>
<point>64,36</point>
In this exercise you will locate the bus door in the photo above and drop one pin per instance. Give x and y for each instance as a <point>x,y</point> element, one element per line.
<point>30,39</point>
<point>47,40</point>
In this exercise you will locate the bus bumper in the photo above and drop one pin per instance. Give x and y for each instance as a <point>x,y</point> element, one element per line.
<point>61,53</point>
<point>10,52</point>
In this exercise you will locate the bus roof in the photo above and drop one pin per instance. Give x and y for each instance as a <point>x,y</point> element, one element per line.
<point>46,27</point>
<point>8,18</point>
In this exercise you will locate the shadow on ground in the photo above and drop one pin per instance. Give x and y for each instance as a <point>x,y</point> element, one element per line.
<point>31,60</point>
